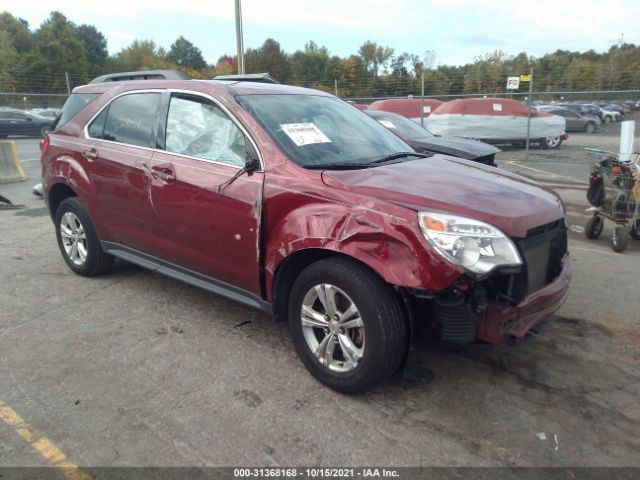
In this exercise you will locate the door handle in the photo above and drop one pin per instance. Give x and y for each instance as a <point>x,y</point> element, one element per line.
<point>90,154</point>
<point>164,174</point>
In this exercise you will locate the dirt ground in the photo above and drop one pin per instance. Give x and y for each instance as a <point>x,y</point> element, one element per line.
<point>136,369</point>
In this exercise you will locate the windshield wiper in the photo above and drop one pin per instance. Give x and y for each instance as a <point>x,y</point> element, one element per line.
<point>357,165</point>
<point>396,156</point>
<point>337,166</point>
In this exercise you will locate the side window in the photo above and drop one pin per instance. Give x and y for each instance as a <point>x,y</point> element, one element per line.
<point>197,128</point>
<point>74,105</point>
<point>96,129</point>
<point>129,119</point>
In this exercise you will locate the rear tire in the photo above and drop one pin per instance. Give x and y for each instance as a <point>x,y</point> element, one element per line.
<point>634,231</point>
<point>355,341</point>
<point>78,240</point>
<point>593,227</point>
<point>620,238</point>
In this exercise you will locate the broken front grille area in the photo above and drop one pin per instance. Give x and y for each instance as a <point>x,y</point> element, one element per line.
<point>542,251</point>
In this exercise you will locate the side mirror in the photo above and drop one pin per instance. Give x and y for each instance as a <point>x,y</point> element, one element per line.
<point>251,165</point>
<point>251,159</point>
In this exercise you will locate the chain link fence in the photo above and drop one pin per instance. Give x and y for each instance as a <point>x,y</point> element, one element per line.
<point>28,105</point>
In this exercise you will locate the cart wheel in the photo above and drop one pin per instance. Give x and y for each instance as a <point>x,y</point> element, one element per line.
<point>634,231</point>
<point>593,227</point>
<point>620,238</point>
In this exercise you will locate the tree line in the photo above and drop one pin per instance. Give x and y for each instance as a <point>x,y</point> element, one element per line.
<point>35,61</point>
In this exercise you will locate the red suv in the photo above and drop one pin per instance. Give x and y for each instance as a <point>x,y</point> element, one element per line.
<point>292,201</point>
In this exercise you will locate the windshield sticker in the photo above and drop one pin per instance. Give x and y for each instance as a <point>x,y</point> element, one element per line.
<point>497,107</point>
<point>426,109</point>
<point>304,133</point>
<point>387,123</point>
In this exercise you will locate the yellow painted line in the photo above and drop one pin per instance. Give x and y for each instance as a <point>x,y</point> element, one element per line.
<point>42,445</point>
<point>513,162</point>
<point>594,250</point>
<point>16,161</point>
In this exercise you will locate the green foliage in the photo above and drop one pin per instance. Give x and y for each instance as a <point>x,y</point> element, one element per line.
<point>269,58</point>
<point>141,55</point>
<point>183,53</point>
<point>95,45</point>
<point>37,60</point>
<point>8,58</point>
<point>18,30</point>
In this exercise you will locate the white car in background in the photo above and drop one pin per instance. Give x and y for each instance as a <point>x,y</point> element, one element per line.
<point>609,116</point>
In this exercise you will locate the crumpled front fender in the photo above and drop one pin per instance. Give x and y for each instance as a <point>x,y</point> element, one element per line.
<point>389,242</point>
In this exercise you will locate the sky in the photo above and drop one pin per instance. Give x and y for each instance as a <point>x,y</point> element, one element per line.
<point>456,30</point>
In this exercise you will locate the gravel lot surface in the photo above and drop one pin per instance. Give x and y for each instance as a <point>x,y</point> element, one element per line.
<point>136,369</point>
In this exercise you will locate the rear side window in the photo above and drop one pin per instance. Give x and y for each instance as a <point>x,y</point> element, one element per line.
<point>129,119</point>
<point>74,105</point>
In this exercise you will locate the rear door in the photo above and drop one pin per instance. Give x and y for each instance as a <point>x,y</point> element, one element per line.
<point>207,220</point>
<point>123,135</point>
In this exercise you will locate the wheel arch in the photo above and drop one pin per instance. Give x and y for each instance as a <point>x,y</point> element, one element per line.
<point>57,194</point>
<point>289,269</point>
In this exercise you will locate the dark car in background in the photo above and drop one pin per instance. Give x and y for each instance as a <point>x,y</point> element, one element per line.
<point>18,122</point>
<point>585,109</point>
<point>575,122</point>
<point>617,107</point>
<point>422,140</point>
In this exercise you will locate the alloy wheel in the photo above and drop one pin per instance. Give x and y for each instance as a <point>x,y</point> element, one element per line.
<point>74,239</point>
<point>332,327</point>
<point>552,142</point>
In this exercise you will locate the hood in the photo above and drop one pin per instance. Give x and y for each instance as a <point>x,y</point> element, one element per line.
<point>457,147</point>
<point>446,184</point>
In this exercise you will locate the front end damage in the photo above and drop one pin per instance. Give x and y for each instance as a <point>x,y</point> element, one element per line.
<point>507,304</point>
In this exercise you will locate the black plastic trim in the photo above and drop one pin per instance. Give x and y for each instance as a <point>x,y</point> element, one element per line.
<point>188,276</point>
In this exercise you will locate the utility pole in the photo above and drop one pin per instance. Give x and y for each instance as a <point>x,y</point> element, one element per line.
<point>66,78</point>
<point>526,153</point>
<point>335,83</point>
<point>422,102</point>
<point>239,41</point>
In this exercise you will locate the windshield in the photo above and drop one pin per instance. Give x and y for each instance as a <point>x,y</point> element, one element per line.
<point>317,130</point>
<point>407,129</point>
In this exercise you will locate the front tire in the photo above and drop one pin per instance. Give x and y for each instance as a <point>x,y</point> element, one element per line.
<point>347,325</point>
<point>593,227</point>
<point>551,142</point>
<point>78,240</point>
<point>590,127</point>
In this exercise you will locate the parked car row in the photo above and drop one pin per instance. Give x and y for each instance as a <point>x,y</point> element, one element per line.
<point>501,121</point>
<point>490,120</point>
<point>15,122</point>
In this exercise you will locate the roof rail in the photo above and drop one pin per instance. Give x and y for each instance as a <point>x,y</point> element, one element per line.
<point>141,75</point>
<point>249,77</point>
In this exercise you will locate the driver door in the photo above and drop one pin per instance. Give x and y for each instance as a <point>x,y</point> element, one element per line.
<point>205,220</point>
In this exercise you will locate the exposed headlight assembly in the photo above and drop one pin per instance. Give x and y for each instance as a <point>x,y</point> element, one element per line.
<point>472,244</point>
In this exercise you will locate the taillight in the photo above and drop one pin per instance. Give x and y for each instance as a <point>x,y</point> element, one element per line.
<point>44,145</point>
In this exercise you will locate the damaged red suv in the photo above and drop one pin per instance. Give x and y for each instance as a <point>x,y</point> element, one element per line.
<point>292,201</point>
